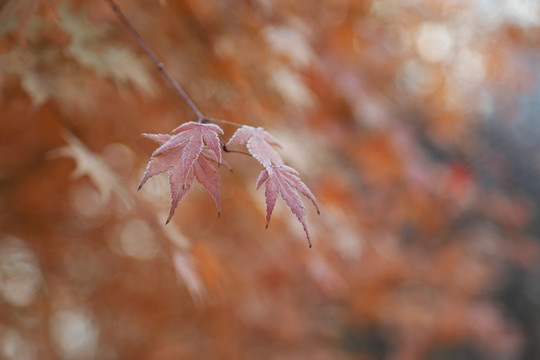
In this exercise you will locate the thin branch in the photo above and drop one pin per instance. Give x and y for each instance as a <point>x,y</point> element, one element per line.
<point>200,117</point>
<point>226,149</point>
<point>120,15</point>
<point>212,120</point>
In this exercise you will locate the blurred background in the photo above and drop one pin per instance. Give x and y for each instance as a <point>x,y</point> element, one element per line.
<point>413,122</point>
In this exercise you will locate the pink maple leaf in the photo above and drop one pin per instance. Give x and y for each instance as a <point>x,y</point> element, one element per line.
<point>192,136</point>
<point>284,180</point>
<point>170,157</point>
<point>259,143</point>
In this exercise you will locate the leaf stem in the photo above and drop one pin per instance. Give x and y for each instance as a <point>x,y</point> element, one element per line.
<point>120,15</point>
<point>226,149</point>
<point>212,120</point>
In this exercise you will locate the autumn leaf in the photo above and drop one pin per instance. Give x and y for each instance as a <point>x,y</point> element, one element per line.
<point>191,137</point>
<point>186,271</point>
<point>285,181</point>
<point>92,165</point>
<point>194,135</point>
<point>260,144</point>
<point>184,159</point>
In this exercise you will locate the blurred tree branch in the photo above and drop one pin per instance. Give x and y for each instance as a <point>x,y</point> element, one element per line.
<point>124,20</point>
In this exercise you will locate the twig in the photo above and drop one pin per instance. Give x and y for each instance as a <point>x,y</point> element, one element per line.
<point>120,15</point>
<point>212,120</point>
<point>200,117</point>
<point>226,149</point>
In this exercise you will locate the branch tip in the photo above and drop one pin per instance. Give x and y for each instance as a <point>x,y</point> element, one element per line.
<point>266,226</point>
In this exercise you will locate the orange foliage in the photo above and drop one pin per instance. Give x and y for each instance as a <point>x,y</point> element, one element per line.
<point>426,247</point>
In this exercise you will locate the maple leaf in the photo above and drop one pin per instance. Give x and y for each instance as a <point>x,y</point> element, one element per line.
<point>92,165</point>
<point>195,135</point>
<point>259,143</point>
<point>285,181</point>
<point>191,137</point>
<point>184,160</point>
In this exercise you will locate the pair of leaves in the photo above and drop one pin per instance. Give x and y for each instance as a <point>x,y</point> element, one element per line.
<point>193,149</point>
